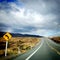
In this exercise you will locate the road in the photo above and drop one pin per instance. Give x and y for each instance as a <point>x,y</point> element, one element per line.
<point>45,50</point>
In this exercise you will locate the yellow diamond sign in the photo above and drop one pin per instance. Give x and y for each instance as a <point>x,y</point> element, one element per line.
<point>7,36</point>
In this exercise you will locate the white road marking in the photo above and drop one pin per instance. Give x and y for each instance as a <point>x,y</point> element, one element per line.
<point>34,51</point>
<point>54,49</point>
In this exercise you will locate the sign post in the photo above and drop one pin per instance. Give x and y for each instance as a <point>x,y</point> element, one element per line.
<point>6,48</point>
<point>7,36</point>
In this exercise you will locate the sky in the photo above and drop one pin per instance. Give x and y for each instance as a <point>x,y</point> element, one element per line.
<point>37,17</point>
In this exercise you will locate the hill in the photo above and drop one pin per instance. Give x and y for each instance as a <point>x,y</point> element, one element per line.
<point>19,35</point>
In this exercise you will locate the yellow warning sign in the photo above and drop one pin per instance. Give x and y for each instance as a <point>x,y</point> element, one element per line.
<point>7,36</point>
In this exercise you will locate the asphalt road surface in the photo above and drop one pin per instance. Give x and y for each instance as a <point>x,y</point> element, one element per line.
<point>46,49</point>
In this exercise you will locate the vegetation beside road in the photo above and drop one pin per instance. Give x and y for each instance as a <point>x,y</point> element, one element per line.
<point>18,45</point>
<point>56,39</point>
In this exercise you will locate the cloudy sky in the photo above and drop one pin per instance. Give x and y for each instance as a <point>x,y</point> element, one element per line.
<point>39,17</point>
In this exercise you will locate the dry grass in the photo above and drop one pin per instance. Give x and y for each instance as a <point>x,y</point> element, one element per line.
<point>56,39</point>
<point>18,45</point>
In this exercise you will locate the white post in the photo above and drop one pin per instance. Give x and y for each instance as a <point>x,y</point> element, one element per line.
<point>19,50</point>
<point>6,48</point>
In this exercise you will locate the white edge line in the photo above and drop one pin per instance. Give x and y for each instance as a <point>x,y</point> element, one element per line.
<point>34,51</point>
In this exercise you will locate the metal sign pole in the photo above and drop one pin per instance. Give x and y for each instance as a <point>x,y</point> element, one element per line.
<point>6,48</point>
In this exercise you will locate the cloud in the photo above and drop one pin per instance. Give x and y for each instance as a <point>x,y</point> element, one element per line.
<point>35,17</point>
<point>43,6</point>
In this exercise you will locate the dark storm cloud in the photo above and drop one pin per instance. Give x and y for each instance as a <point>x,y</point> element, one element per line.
<point>25,29</point>
<point>35,17</point>
<point>43,6</point>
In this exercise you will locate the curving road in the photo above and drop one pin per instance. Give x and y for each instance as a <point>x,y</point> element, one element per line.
<point>45,50</point>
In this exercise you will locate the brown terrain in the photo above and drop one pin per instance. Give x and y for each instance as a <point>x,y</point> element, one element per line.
<point>18,45</point>
<point>56,39</point>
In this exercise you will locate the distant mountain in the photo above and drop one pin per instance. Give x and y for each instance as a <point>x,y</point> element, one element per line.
<point>1,34</point>
<point>19,35</point>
